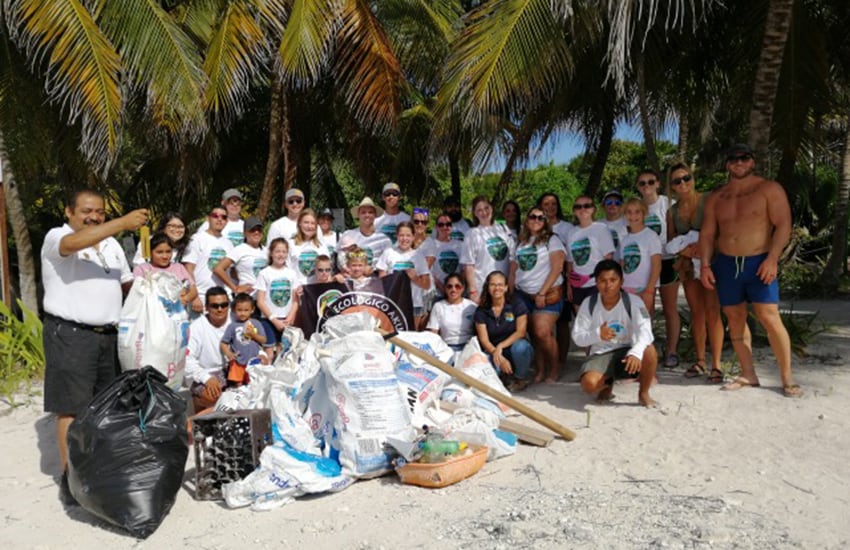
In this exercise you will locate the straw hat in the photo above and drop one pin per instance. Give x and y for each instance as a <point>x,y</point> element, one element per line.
<point>355,211</point>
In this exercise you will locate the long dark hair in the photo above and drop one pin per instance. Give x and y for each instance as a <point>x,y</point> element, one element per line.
<point>180,244</point>
<point>539,203</point>
<point>518,224</point>
<point>486,299</point>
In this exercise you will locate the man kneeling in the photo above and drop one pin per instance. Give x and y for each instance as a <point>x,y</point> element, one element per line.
<point>618,329</point>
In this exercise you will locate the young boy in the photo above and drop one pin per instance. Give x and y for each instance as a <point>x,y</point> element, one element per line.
<point>357,266</point>
<point>324,269</point>
<point>243,340</point>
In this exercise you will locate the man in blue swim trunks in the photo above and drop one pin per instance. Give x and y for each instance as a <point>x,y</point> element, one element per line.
<point>748,222</point>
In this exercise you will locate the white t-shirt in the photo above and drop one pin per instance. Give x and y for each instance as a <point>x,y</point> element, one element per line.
<point>487,249</point>
<point>278,286</point>
<point>203,356</point>
<point>387,223</point>
<point>533,264</point>
<point>460,229</point>
<point>329,240</point>
<point>205,251</point>
<point>374,244</point>
<point>563,229</point>
<point>249,261</point>
<point>635,331</point>
<point>394,259</point>
<point>85,286</point>
<point>282,227</point>
<point>586,247</point>
<point>302,259</point>
<point>657,220</point>
<point>453,321</point>
<point>446,256</point>
<point>636,251</point>
<point>619,229</point>
<point>234,231</point>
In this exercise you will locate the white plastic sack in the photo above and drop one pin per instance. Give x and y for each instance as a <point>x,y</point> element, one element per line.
<point>421,383</point>
<point>473,362</point>
<point>154,327</point>
<point>289,425</point>
<point>480,427</point>
<point>362,384</point>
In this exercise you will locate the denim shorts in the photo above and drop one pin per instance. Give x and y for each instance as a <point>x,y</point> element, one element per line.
<point>532,308</point>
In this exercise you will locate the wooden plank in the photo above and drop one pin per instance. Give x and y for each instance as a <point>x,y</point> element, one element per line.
<point>526,434</point>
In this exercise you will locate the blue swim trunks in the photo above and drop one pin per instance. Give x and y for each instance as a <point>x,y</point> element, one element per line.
<point>737,281</point>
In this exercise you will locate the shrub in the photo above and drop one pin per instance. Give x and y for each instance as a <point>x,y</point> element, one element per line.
<point>21,350</point>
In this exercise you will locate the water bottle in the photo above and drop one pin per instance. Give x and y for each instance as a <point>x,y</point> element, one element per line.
<point>435,448</point>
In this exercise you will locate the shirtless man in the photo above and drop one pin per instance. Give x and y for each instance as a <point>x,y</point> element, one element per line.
<point>749,222</point>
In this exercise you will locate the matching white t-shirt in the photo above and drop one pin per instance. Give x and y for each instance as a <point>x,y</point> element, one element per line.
<point>459,230</point>
<point>636,251</point>
<point>234,231</point>
<point>302,259</point>
<point>488,249</point>
<point>393,259</point>
<point>278,286</point>
<point>249,261</point>
<point>203,356</point>
<point>446,256</point>
<point>619,229</point>
<point>657,220</point>
<point>586,247</point>
<point>533,264</point>
<point>633,331</point>
<point>453,322</point>
<point>387,223</point>
<point>563,229</point>
<point>205,251</point>
<point>374,244</point>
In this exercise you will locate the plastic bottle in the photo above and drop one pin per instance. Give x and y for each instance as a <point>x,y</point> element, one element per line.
<point>436,448</point>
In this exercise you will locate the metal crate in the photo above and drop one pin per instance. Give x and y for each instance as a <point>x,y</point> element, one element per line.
<point>228,447</point>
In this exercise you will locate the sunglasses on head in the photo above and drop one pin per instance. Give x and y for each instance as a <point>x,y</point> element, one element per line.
<point>422,211</point>
<point>578,206</point>
<point>536,217</point>
<point>294,200</point>
<point>613,202</point>
<point>218,216</point>
<point>392,194</point>
<point>678,181</point>
<point>644,183</point>
<point>218,305</point>
<point>739,158</point>
<point>444,224</point>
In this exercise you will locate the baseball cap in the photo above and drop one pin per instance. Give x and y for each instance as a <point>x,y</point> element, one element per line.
<point>612,193</point>
<point>739,149</point>
<point>230,193</point>
<point>326,213</point>
<point>293,193</point>
<point>391,186</point>
<point>253,222</point>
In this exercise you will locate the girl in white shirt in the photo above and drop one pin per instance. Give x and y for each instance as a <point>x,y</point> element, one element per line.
<point>486,248</point>
<point>250,257</point>
<point>640,255</point>
<point>403,257</point>
<point>452,318</point>
<point>305,247</point>
<point>276,286</point>
<point>588,243</point>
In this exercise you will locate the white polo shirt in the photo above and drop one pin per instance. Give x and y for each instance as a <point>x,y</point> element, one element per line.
<point>85,286</point>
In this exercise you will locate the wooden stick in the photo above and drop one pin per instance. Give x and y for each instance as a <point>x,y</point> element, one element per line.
<point>525,410</point>
<point>524,433</point>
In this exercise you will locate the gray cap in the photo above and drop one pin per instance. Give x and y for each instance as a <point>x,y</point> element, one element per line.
<point>252,222</point>
<point>230,193</point>
<point>326,213</point>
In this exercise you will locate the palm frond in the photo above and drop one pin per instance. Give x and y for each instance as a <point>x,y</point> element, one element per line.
<point>83,68</point>
<point>305,42</point>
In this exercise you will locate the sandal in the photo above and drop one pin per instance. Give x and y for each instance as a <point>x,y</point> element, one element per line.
<point>792,390</point>
<point>518,385</point>
<point>715,376</point>
<point>672,361</point>
<point>694,371</point>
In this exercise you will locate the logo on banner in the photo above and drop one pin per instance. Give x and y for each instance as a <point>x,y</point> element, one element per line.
<point>384,309</point>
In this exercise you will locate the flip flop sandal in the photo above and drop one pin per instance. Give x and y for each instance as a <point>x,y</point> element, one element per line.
<point>695,371</point>
<point>738,384</point>
<point>672,361</point>
<point>715,377</point>
<point>792,390</point>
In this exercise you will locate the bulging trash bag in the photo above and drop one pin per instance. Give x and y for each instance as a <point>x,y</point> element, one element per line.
<point>127,452</point>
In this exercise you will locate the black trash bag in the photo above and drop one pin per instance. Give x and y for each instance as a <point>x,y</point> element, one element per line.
<point>127,452</point>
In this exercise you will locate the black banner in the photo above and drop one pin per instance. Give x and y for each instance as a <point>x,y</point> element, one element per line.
<point>387,299</point>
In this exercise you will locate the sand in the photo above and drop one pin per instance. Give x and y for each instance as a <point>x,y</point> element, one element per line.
<point>746,469</point>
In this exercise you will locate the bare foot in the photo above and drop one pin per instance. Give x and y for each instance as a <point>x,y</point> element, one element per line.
<point>648,402</point>
<point>538,378</point>
<point>606,395</point>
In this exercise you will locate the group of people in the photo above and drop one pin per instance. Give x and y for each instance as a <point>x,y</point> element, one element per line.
<point>524,286</point>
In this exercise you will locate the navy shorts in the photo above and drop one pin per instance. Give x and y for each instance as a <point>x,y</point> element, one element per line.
<point>737,281</point>
<point>668,272</point>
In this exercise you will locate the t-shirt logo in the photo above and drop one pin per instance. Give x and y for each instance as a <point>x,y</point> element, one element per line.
<point>216,255</point>
<point>307,262</point>
<point>631,257</point>
<point>457,235</point>
<point>260,262</point>
<point>526,258</point>
<point>653,222</point>
<point>370,256</point>
<point>497,248</point>
<point>618,327</point>
<point>402,265</point>
<point>615,237</point>
<point>280,292</point>
<point>389,231</point>
<point>448,261</point>
<point>509,317</point>
<point>580,251</point>
<point>236,237</point>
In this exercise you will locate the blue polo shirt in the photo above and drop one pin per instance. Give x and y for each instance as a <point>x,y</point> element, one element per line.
<point>499,329</point>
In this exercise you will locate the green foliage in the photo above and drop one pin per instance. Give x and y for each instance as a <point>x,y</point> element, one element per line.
<point>624,163</point>
<point>795,279</point>
<point>21,350</point>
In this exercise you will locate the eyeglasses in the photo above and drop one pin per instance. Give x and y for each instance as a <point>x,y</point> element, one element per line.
<point>454,286</point>
<point>420,222</point>
<point>644,183</point>
<point>739,158</point>
<point>175,226</point>
<point>218,216</point>
<point>218,305</point>
<point>678,181</point>
<point>421,211</point>
<point>582,205</point>
<point>613,202</point>
<point>294,200</point>
<point>444,224</point>
<point>392,194</point>
<point>323,270</point>
<point>536,217</point>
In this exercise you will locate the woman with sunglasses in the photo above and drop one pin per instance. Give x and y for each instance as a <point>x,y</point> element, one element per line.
<point>501,324</point>
<point>249,258</point>
<point>452,318</point>
<point>421,219</point>
<point>442,253</point>
<point>306,247</point>
<point>648,185</point>
<point>685,216</point>
<point>486,248</point>
<point>536,275</point>
<point>589,243</point>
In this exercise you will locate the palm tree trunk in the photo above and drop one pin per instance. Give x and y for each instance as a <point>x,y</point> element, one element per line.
<point>646,126</point>
<point>836,264</point>
<point>20,232</point>
<point>684,130</point>
<point>290,168</point>
<point>454,172</point>
<point>777,25</point>
<point>594,180</point>
<point>274,155</point>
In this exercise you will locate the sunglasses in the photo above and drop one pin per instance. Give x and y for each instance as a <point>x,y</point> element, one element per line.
<point>323,270</point>
<point>295,200</point>
<point>740,158</point>
<point>613,202</point>
<point>220,305</point>
<point>583,205</point>
<point>444,224</point>
<point>536,217</point>
<point>218,216</point>
<point>453,286</point>
<point>392,194</point>
<point>420,222</point>
<point>644,183</point>
<point>678,181</point>
<point>422,211</point>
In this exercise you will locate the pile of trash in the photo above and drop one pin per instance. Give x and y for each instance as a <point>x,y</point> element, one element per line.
<point>346,405</point>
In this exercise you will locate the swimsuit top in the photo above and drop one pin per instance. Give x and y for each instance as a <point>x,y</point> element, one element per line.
<point>683,227</point>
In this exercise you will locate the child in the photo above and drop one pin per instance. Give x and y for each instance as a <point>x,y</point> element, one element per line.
<point>403,257</point>
<point>324,269</point>
<point>357,265</point>
<point>275,289</point>
<point>640,253</point>
<point>242,341</point>
<point>161,254</point>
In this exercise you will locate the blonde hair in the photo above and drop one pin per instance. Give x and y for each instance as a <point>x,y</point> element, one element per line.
<point>634,201</point>
<point>300,238</point>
